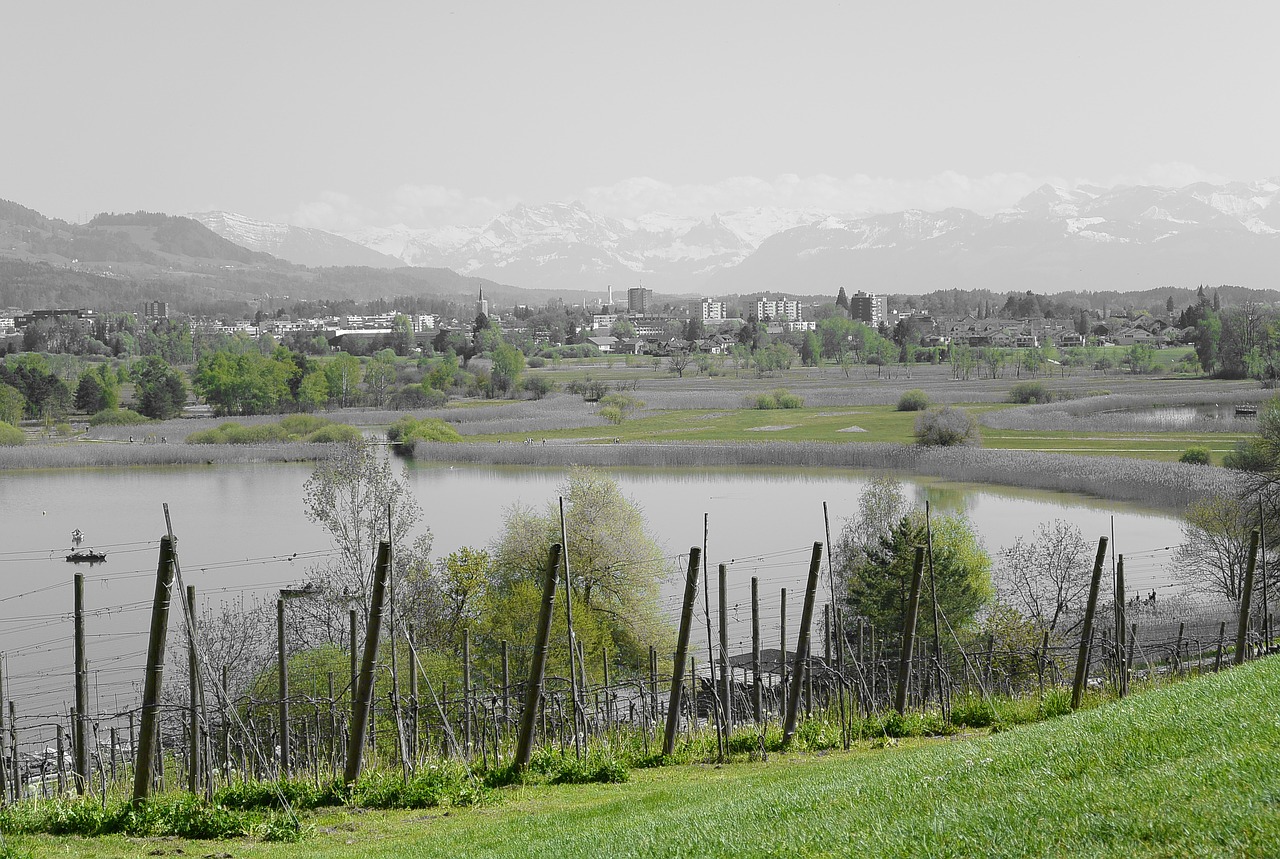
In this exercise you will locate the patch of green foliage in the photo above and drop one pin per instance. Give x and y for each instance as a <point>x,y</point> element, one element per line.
<point>1196,455</point>
<point>1030,392</point>
<point>779,399</point>
<point>947,426</point>
<point>10,435</point>
<point>914,400</point>
<point>116,417</point>
<point>180,815</point>
<point>294,428</point>
<point>408,430</point>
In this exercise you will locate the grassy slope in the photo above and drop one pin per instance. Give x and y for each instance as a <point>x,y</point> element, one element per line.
<point>1189,770</point>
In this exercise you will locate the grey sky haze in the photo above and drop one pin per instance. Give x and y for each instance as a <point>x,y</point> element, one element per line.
<point>347,115</point>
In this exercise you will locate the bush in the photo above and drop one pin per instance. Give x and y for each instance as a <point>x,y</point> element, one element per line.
<point>10,435</point>
<point>1029,392</point>
<point>408,430</point>
<point>300,425</point>
<point>1196,455</point>
<point>779,399</point>
<point>116,417</point>
<point>538,386</point>
<point>333,433</point>
<point>536,361</point>
<point>914,400</point>
<point>1250,454</point>
<point>946,427</point>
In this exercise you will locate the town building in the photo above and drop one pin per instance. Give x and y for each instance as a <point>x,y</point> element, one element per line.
<point>777,310</point>
<point>869,308</point>
<point>640,300</point>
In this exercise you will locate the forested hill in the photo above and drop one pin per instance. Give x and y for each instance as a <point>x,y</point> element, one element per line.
<point>118,261</point>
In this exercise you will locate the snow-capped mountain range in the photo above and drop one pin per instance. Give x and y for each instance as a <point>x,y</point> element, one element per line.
<point>1055,238</point>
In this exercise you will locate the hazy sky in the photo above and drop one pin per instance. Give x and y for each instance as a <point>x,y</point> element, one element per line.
<point>342,115</point>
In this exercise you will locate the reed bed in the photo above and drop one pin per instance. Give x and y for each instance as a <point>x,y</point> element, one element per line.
<point>1113,412</point>
<point>1161,485</point>
<point>115,454</point>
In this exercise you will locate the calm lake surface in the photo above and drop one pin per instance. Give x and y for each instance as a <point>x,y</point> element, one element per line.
<point>239,528</point>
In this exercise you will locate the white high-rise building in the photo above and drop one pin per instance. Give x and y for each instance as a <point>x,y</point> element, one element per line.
<point>708,310</point>
<point>777,310</point>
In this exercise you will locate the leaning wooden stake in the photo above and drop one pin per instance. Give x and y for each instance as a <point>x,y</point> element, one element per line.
<point>682,648</point>
<point>282,669</point>
<point>802,646</point>
<point>1242,631</point>
<point>909,633</point>
<point>538,665</point>
<point>196,744</point>
<point>364,683</point>
<point>1086,631</point>
<point>145,757</point>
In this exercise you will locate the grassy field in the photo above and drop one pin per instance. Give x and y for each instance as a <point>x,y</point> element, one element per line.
<point>868,424</point>
<point>1192,769</point>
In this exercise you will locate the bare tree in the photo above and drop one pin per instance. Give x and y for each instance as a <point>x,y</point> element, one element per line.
<point>348,495</point>
<point>1215,552</point>
<point>1046,577</point>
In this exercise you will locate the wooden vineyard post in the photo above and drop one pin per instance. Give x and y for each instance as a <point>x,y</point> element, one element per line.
<point>1086,632</point>
<point>782,658</point>
<point>538,665</point>
<point>282,666</point>
<point>1122,674</point>
<point>364,687</point>
<point>148,734</point>
<point>354,655</point>
<point>79,733</point>
<point>682,648</point>
<point>756,703</point>
<point>1242,631</point>
<point>726,681</point>
<point>909,633</point>
<point>802,646</point>
<point>193,703</point>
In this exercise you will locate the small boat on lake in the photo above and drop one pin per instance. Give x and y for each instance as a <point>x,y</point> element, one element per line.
<point>86,556</point>
<point>1246,411</point>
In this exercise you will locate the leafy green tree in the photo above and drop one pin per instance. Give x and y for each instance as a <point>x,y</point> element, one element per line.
<point>443,372</point>
<point>159,390</point>
<point>97,390</point>
<point>313,391</point>
<point>623,329</point>
<point>1208,337</point>
<point>12,404</point>
<point>810,349</point>
<point>508,364</point>
<point>379,376</point>
<point>344,373</point>
<point>878,579</point>
<point>402,335</point>
<point>615,564</point>
<point>244,383</point>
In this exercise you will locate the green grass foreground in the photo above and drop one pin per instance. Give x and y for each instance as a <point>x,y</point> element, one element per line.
<point>1189,770</point>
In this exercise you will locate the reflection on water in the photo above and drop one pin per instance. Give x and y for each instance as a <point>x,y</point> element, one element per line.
<point>242,532</point>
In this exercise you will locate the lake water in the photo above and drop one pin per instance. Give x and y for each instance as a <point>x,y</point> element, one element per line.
<point>242,532</point>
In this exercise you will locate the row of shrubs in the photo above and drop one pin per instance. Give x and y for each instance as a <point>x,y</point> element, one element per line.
<point>779,399</point>
<point>294,428</point>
